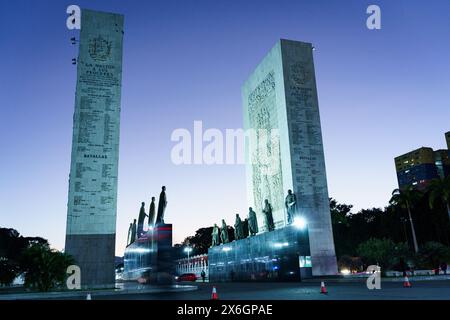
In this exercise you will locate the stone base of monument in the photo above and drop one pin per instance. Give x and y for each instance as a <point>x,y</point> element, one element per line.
<point>95,254</point>
<point>279,255</point>
<point>149,259</point>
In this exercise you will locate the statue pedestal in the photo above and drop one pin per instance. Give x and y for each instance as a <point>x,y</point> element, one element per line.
<point>149,259</point>
<point>279,255</point>
<point>165,267</point>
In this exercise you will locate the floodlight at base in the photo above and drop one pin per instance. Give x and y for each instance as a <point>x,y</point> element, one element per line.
<point>300,223</point>
<point>345,271</point>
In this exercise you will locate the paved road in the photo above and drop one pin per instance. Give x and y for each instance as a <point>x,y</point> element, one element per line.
<point>337,290</point>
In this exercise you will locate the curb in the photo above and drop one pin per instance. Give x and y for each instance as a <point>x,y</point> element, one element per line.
<point>94,293</point>
<point>386,279</point>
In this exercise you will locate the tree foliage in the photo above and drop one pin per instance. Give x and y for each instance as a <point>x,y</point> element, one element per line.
<point>432,254</point>
<point>201,241</point>
<point>12,247</point>
<point>32,257</point>
<point>439,189</point>
<point>351,229</point>
<point>383,252</point>
<point>44,268</point>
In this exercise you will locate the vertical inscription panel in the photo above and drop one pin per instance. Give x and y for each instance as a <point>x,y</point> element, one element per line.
<point>95,145</point>
<point>307,155</point>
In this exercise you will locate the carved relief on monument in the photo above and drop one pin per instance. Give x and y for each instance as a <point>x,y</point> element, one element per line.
<point>267,176</point>
<point>99,48</point>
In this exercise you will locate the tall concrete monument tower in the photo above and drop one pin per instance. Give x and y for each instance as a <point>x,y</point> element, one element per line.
<point>91,214</point>
<point>281,94</point>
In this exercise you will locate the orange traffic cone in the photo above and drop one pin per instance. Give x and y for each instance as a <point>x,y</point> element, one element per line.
<point>406,283</point>
<point>214,295</point>
<point>323,289</point>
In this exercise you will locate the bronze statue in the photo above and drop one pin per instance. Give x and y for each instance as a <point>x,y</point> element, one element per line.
<point>215,236</point>
<point>162,204</point>
<point>133,232</point>
<point>291,206</point>
<point>130,229</point>
<point>238,228</point>
<point>141,219</point>
<point>224,232</point>
<point>245,228</point>
<point>151,213</point>
<point>252,222</point>
<point>268,214</point>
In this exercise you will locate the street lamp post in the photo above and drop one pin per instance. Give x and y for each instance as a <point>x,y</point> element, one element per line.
<point>188,251</point>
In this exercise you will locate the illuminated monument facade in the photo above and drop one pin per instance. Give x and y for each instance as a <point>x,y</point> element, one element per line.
<point>92,201</point>
<point>281,94</point>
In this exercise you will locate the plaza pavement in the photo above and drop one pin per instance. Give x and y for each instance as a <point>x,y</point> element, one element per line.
<point>347,288</point>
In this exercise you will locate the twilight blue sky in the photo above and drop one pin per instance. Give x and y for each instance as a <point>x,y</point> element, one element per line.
<point>381,93</point>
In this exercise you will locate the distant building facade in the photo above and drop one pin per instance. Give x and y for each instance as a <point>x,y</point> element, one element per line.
<point>418,167</point>
<point>194,265</point>
<point>447,137</point>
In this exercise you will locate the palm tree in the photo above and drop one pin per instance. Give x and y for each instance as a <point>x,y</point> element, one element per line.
<point>440,189</point>
<point>44,268</point>
<point>406,198</point>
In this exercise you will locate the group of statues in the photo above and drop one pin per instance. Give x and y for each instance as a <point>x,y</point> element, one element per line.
<point>137,230</point>
<point>242,229</point>
<point>221,235</point>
